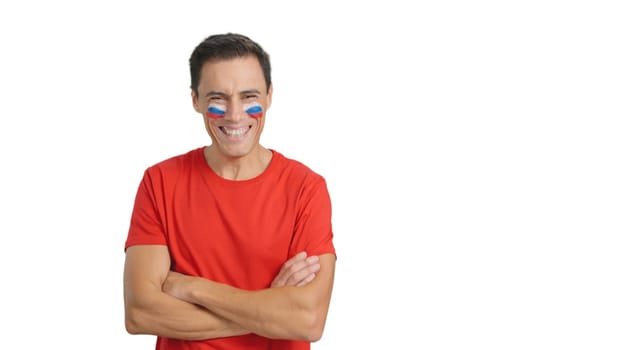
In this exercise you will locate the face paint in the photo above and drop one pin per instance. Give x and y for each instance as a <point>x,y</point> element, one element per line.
<point>253,109</point>
<point>215,111</point>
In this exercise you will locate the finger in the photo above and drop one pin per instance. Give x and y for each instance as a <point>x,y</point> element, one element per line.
<point>302,274</point>
<point>306,280</point>
<point>297,258</point>
<point>296,270</point>
<point>300,265</point>
<point>292,275</point>
<point>287,269</point>
<point>280,279</point>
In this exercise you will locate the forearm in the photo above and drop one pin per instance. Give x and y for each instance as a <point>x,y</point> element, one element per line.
<point>163,315</point>
<point>283,313</point>
<point>289,312</point>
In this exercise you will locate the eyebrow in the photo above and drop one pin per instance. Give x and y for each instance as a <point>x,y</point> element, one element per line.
<point>222,94</point>
<point>215,93</point>
<point>251,91</point>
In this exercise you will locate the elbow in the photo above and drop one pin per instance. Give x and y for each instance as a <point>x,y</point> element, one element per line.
<point>308,326</point>
<point>131,327</point>
<point>315,327</point>
<point>316,332</point>
<point>313,320</point>
<point>139,315</point>
<point>314,336</point>
<point>133,323</point>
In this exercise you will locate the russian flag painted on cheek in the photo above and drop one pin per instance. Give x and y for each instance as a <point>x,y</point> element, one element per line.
<point>253,109</point>
<point>215,111</point>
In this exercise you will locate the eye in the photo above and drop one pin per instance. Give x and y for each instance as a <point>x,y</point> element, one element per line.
<point>250,96</point>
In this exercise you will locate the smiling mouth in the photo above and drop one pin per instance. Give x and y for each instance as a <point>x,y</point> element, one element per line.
<point>235,132</point>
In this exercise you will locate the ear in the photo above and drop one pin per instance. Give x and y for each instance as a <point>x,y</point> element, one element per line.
<point>195,101</point>
<point>269,97</point>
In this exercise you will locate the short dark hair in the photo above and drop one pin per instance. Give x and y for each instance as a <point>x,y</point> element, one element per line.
<point>224,47</point>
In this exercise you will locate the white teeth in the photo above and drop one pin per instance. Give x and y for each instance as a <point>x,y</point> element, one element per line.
<point>235,132</point>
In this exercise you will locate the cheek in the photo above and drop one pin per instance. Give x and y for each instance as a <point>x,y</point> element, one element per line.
<point>259,127</point>
<point>209,125</point>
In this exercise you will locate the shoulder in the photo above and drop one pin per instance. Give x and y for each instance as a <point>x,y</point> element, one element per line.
<point>297,177</point>
<point>173,166</point>
<point>297,170</point>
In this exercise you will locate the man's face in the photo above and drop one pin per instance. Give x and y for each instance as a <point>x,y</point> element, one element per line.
<point>233,100</point>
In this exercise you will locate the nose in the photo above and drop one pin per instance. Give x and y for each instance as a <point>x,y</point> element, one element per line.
<point>235,112</point>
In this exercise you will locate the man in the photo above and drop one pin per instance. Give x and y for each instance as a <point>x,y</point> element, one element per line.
<point>230,245</point>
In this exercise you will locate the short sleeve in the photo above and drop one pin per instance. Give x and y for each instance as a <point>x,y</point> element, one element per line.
<point>146,226</point>
<point>313,231</point>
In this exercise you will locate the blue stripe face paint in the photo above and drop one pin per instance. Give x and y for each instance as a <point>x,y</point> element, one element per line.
<point>254,110</point>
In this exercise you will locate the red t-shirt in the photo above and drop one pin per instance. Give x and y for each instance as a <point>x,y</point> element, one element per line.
<point>234,232</point>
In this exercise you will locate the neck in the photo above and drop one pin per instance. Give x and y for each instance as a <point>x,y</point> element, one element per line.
<point>238,168</point>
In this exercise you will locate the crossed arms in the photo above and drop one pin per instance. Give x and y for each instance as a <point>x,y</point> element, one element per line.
<point>169,304</point>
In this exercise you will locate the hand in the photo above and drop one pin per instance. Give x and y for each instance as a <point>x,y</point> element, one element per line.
<point>297,271</point>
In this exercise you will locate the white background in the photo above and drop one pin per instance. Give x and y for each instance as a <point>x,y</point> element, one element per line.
<point>472,149</point>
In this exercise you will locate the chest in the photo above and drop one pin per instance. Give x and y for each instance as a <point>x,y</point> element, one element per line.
<point>238,236</point>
